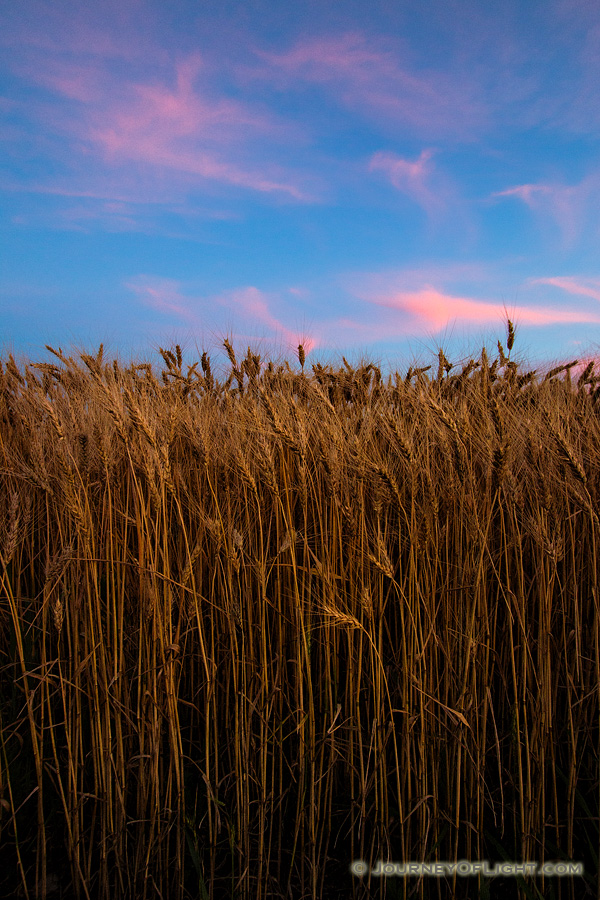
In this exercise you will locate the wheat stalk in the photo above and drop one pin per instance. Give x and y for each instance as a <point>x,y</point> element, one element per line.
<point>12,535</point>
<point>195,553</point>
<point>344,620</point>
<point>139,422</point>
<point>403,446</point>
<point>499,465</point>
<point>511,336</point>
<point>56,566</point>
<point>58,614</point>
<point>382,560</point>
<point>565,452</point>
<point>496,417</point>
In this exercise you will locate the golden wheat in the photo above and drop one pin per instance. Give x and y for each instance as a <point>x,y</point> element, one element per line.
<point>251,628</point>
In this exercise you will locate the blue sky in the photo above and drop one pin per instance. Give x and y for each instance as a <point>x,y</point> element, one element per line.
<point>376,179</point>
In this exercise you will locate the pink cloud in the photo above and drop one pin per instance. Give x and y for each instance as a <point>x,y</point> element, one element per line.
<point>155,151</point>
<point>366,285</point>
<point>403,312</point>
<point>166,296</point>
<point>365,74</point>
<point>401,171</point>
<point>415,294</point>
<point>325,59</point>
<point>85,83</point>
<point>572,207</point>
<point>179,128</point>
<point>183,110</point>
<point>592,289</point>
<point>525,192</point>
<point>145,200</point>
<point>438,309</point>
<point>413,178</point>
<point>162,294</point>
<point>255,303</point>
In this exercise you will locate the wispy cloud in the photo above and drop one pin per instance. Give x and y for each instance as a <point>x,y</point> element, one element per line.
<point>572,207</point>
<point>528,193</point>
<point>437,309</point>
<point>248,303</point>
<point>425,301</point>
<point>408,305</point>
<point>365,74</point>
<point>418,179</point>
<point>163,295</point>
<point>255,304</point>
<point>587,287</point>
<point>116,208</point>
<point>84,82</point>
<point>184,130</point>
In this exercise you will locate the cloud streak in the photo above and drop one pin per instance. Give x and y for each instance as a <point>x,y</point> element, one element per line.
<point>182,130</point>
<point>249,303</point>
<point>572,207</point>
<point>437,309</point>
<point>418,179</point>
<point>162,295</point>
<point>366,75</point>
<point>573,286</point>
<point>424,302</point>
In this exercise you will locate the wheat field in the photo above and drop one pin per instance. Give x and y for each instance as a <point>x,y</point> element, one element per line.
<point>253,630</point>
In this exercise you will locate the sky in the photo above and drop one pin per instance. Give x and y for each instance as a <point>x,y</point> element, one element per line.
<point>370,178</point>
